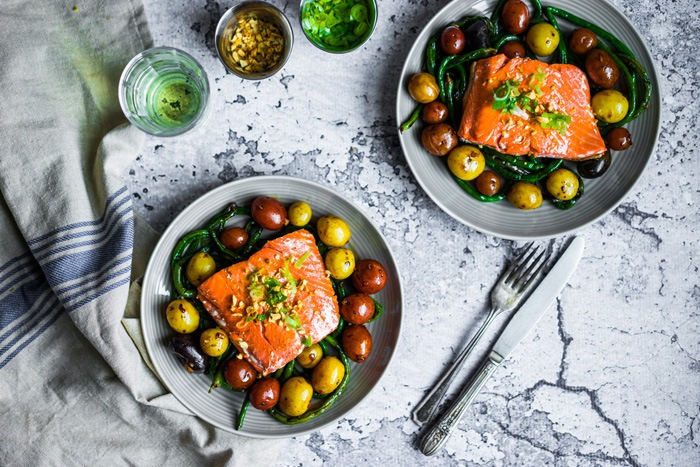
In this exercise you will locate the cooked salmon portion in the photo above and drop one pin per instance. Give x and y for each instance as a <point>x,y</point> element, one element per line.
<point>274,303</point>
<point>523,107</point>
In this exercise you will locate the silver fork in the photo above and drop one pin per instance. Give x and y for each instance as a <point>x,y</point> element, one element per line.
<point>506,295</point>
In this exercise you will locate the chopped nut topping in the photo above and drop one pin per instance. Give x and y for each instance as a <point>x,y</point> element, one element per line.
<point>256,45</point>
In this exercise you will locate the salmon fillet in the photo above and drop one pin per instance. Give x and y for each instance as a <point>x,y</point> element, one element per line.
<point>521,106</point>
<point>275,302</point>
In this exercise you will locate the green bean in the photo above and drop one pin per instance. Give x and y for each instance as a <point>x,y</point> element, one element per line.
<point>618,44</point>
<point>563,53</point>
<point>517,174</point>
<point>496,16</point>
<point>503,39</point>
<point>537,16</point>
<point>412,119</point>
<point>646,83</point>
<point>186,242</point>
<point>431,55</point>
<point>178,281</point>
<point>529,163</point>
<point>339,329</point>
<point>463,80</point>
<point>280,416</point>
<point>458,60</point>
<point>243,411</point>
<point>449,98</point>
<point>466,186</point>
<point>288,371</point>
<point>253,238</point>
<point>378,311</point>
<point>472,19</point>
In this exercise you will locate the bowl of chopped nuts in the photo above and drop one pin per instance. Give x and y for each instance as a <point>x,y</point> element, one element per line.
<point>254,39</point>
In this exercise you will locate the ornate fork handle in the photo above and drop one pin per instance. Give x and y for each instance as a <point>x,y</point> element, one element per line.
<point>443,428</point>
<point>425,409</point>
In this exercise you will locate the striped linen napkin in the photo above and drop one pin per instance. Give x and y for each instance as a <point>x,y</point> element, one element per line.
<point>74,387</point>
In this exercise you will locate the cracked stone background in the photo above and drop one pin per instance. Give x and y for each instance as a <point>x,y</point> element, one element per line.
<point>611,375</point>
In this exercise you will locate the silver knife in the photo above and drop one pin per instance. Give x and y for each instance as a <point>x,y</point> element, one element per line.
<point>519,326</point>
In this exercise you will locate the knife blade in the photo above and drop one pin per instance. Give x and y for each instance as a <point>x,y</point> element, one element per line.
<point>516,330</point>
<point>529,314</point>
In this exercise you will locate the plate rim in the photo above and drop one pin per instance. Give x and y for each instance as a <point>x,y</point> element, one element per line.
<point>400,90</point>
<point>172,226</point>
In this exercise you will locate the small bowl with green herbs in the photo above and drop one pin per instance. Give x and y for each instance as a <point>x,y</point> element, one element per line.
<point>338,26</point>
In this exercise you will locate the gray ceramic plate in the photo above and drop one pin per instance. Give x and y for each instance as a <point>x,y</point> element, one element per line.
<point>220,408</point>
<point>501,219</point>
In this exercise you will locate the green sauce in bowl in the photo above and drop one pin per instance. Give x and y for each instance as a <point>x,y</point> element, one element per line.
<point>338,25</point>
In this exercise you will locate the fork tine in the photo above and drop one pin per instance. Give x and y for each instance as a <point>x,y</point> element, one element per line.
<point>528,276</point>
<point>515,270</point>
<point>507,273</point>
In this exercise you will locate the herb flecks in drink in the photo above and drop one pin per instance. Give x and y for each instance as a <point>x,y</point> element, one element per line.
<point>177,102</point>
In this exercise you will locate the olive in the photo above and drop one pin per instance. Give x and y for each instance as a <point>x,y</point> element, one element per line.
<point>264,393</point>
<point>213,342</point>
<point>423,88</point>
<point>610,106</point>
<point>268,213</point>
<point>299,213</point>
<point>239,374</point>
<point>488,183</point>
<point>594,167</point>
<point>310,356</point>
<point>333,231</point>
<point>512,49</point>
<point>439,139</point>
<point>562,184</point>
<point>186,350</point>
<point>452,40</point>
<point>582,40</point>
<point>356,342</point>
<point>434,112</point>
<point>295,396</point>
<point>357,308</point>
<point>369,276</point>
<point>525,195</point>
<point>601,68</point>
<point>619,139</point>
<point>233,238</point>
<point>478,36</point>
<point>542,39</point>
<point>466,162</point>
<point>327,375</point>
<point>200,268</point>
<point>340,262</point>
<point>515,16</point>
<point>182,316</point>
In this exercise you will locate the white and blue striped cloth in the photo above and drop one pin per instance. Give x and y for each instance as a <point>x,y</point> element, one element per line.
<point>74,388</point>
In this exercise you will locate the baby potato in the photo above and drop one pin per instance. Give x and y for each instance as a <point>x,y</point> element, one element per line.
<point>295,396</point>
<point>610,106</point>
<point>327,375</point>
<point>357,308</point>
<point>562,184</point>
<point>423,88</point>
<point>542,39</point>
<point>200,267</point>
<point>264,393</point>
<point>333,231</point>
<point>299,213</point>
<point>525,195</point>
<point>234,237</point>
<point>466,162</point>
<point>340,262</point>
<point>369,276</point>
<point>213,342</point>
<point>182,316</point>
<point>310,356</point>
<point>357,342</point>
<point>269,213</point>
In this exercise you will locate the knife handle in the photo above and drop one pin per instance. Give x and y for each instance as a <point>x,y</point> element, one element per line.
<point>436,437</point>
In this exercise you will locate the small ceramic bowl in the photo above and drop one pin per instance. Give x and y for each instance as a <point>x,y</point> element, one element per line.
<point>319,22</point>
<point>228,24</point>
